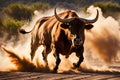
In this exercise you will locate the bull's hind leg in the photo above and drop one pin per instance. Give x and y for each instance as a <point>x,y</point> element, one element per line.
<point>79,53</point>
<point>45,53</point>
<point>34,47</point>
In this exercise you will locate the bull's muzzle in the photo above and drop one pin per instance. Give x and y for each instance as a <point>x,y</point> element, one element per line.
<point>77,41</point>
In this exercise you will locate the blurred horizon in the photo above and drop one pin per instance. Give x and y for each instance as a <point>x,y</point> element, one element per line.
<point>80,3</point>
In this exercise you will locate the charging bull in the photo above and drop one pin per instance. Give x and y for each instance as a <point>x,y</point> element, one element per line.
<point>61,33</point>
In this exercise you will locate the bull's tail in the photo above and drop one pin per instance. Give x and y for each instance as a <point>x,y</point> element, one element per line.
<point>37,25</point>
<point>23,31</point>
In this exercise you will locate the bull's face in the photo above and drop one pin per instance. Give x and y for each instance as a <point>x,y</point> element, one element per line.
<point>76,27</point>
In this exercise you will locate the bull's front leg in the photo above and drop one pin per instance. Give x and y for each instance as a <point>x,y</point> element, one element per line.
<point>57,61</point>
<point>56,55</point>
<point>56,52</point>
<point>79,54</point>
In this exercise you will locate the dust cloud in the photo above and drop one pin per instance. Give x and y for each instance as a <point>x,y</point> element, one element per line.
<point>104,39</point>
<point>102,48</point>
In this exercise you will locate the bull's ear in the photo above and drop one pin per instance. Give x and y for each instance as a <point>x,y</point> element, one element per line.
<point>88,26</point>
<point>63,25</point>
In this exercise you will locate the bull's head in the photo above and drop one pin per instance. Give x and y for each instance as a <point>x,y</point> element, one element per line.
<point>76,27</point>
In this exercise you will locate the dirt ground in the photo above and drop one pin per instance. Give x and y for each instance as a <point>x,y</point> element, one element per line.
<point>56,76</point>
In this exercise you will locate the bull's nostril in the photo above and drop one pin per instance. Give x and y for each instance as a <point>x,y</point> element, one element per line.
<point>75,40</point>
<point>80,40</point>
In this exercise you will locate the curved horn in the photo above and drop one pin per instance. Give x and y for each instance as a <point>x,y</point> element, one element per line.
<point>91,21</point>
<point>62,20</point>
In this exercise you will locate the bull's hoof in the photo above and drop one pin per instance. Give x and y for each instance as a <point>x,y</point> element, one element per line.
<point>75,65</point>
<point>32,58</point>
<point>66,56</point>
<point>55,70</point>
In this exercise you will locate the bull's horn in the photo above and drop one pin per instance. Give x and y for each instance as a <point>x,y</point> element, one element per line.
<point>91,21</point>
<point>62,20</point>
